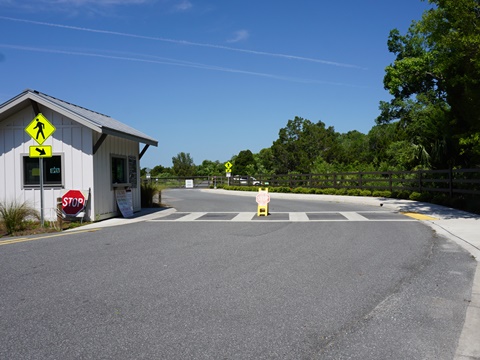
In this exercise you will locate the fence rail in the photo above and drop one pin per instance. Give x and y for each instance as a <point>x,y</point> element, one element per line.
<point>451,181</point>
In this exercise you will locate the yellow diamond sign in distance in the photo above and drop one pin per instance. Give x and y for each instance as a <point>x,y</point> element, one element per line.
<point>228,166</point>
<point>40,129</point>
<point>44,151</point>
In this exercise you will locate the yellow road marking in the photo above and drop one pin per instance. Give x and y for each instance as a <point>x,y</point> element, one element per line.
<point>418,216</point>
<point>19,240</point>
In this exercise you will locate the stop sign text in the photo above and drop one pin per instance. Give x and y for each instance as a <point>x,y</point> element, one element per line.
<point>73,202</point>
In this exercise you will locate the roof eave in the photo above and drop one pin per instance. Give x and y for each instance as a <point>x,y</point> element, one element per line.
<point>22,101</point>
<point>123,135</point>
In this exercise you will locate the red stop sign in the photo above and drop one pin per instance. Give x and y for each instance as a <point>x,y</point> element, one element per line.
<point>263,198</point>
<point>73,202</point>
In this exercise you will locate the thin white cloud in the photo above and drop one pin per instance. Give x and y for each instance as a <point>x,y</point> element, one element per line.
<point>40,3</point>
<point>239,35</point>
<point>186,43</point>
<point>174,62</point>
<point>183,5</point>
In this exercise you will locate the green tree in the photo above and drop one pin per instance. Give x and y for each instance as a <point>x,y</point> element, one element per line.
<point>435,81</point>
<point>265,161</point>
<point>379,139</point>
<point>300,143</point>
<point>183,165</point>
<point>353,148</point>
<point>210,168</point>
<point>244,163</point>
<point>157,170</point>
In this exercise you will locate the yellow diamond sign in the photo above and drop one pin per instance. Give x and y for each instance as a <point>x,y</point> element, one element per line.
<point>40,129</point>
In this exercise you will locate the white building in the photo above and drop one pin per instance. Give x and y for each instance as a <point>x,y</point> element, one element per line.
<point>89,152</point>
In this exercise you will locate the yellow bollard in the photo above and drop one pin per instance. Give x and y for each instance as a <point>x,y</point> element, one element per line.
<point>263,198</point>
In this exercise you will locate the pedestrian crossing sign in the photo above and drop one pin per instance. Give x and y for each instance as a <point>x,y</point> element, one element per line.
<point>40,129</point>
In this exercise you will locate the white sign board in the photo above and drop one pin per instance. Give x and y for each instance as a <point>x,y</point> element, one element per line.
<point>189,184</point>
<point>125,202</point>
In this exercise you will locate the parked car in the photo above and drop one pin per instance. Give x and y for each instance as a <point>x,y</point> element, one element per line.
<point>255,182</point>
<point>246,180</point>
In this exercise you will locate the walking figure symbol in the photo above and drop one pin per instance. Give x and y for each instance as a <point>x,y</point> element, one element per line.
<point>40,126</point>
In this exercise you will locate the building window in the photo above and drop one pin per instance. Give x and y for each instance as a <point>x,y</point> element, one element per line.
<point>52,171</point>
<point>119,170</point>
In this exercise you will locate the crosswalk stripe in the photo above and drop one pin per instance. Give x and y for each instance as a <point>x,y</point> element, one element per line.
<point>321,216</point>
<point>353,216</point>
<point>192,216</point>
<point>298,216</point>
<point>244,216</point>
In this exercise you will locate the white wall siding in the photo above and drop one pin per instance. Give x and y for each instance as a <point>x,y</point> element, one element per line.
<point>104,194</point>
<point>70,140</point>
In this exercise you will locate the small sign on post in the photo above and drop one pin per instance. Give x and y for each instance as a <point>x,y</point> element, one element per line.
<point>40,129</point>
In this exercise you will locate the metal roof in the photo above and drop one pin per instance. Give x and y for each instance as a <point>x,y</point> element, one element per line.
<point>96,121</point>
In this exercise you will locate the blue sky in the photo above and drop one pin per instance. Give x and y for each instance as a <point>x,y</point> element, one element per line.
<point>210,77</point>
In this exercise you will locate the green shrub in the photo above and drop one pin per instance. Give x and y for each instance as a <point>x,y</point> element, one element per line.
<point>330,191</point>
<point>301,190</point>
<point>401,194</point>
<point>147,193</point>
<point>365,193</point>
<point>382,193</point>
<point>353,192</point>
<point>440,199</point>
<point>341,192</point>
<point>415,196</point>
<point>420,196</point>
<point>15,217</point>
<point>281,189</point>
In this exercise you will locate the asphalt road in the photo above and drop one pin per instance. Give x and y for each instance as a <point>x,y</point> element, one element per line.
<point>236,290</point>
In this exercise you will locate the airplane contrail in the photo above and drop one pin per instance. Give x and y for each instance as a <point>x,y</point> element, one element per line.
<point>173,62</point>
<point>185,42</point>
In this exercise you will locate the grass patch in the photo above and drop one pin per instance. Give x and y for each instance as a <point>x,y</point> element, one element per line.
<point>16,217</point>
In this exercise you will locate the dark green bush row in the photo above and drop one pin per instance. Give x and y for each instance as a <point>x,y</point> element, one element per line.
<point>459,202</point>
<point>301,190</point>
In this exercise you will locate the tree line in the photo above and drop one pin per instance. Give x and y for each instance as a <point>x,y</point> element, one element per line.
<point>432,120</point>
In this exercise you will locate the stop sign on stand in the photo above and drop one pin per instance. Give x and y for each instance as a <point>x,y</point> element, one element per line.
<point>73,202</point>
<point>263,198</point>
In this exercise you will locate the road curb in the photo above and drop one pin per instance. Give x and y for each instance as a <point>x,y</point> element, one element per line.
<point>469,345</point>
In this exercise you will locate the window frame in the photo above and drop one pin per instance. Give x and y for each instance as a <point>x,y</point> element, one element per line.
<point>46,183</point>
<point>124,182</point>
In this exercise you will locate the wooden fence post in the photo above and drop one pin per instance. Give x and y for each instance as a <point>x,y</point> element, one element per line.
<point>59,213</point>
<point>450,182</point>
<point>420,181</point>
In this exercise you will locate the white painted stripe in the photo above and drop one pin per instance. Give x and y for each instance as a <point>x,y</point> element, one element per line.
<point>353,216</point>
<point>298,216</point>
<point>244,216</point>
<point>191,216</point>
<point>293,217</point>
